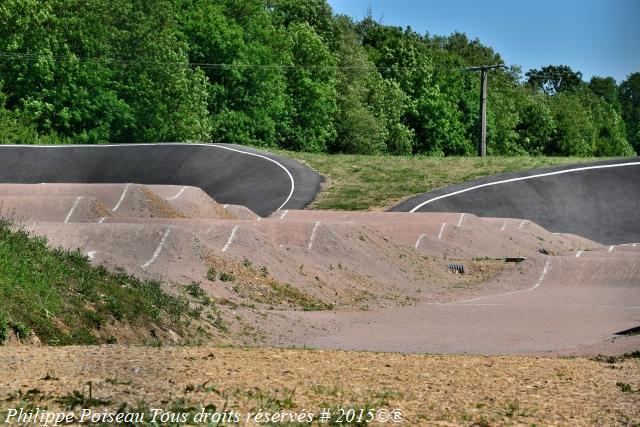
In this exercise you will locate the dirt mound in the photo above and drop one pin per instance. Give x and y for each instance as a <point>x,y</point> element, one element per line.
<point>340,279</point>
<point>62,209</point>
<point>240,212</point>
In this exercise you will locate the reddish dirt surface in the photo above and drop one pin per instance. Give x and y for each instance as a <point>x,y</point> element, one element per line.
<point>353,280</point>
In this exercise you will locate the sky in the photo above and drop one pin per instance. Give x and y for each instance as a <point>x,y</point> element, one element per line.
<point>596,37</point>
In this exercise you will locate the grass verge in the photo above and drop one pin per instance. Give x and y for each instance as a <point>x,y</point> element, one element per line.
<point>58,296</point>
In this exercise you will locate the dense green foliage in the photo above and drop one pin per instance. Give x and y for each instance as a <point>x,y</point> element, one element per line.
<point>287,74</point>
<point>59,296</point>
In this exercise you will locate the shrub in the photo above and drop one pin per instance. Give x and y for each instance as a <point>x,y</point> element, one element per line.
<point>227,277</point>
<point>4,328</point>
<point>20,329</point>
<point>264,272</point>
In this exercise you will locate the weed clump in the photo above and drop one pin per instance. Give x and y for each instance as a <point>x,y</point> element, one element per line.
<point>264,272</point>
<point>4,329</point>
<point>198,293</point>
<point>227,277</point>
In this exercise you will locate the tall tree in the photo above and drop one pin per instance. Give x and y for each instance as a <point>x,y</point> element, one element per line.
<point>45,74</point>
<point>629,93</point>
<point>370,108</point>
<point>606,88</point>
<point>246,87</point>
<point>553,79</point>
<point>536,126</point>
<point>472,52</point>
<point>311,92</point>
<point>99,70</point>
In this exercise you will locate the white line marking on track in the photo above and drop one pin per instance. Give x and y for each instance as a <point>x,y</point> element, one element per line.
<point>231,236</point>
<point>522,178</point>
<point>419,240</point>
<point>611,248</point>
<point>545,269</point>
<point>73,208</point>
<point>293,185</point>
<point>504,226</point>
<point>102,220</point>
<point>158,249</point>
<point>284,214</point>
<point>460,220</point>
<point>578,254</point>
<point>313,235</point>
<point>179,193</point>
<point>524,221</point>
<point>444,224</point>
<point>122,196</point>
<point>544,273</point>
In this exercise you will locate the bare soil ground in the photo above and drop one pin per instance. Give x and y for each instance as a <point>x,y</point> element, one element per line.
<point>431,390</point>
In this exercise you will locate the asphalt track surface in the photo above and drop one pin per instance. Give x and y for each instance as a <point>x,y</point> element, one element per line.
<point>599,201</point>
<point>231,174</point>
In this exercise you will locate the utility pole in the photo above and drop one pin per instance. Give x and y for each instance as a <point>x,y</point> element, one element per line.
<point>484,84</point>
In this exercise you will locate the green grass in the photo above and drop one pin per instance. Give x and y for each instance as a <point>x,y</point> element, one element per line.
<point>358,182</point>
<point>60,297</point>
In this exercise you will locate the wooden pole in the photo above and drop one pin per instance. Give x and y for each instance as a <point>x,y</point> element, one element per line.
<point>484,83</point>
<point>482,144</point>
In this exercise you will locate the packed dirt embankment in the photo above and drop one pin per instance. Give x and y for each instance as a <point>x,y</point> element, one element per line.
<point>352,280</point>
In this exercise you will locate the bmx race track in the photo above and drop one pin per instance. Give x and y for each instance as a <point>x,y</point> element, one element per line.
<point>551,257</point>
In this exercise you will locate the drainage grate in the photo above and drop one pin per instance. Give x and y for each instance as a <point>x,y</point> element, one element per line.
<point>458,268</point>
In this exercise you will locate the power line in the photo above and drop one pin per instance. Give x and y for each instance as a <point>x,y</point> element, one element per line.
<point>208,65</point>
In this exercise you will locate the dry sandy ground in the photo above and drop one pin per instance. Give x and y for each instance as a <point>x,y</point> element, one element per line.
<point>431,390</point>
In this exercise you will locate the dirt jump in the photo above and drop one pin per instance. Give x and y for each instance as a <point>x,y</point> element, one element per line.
<point>543,262</point>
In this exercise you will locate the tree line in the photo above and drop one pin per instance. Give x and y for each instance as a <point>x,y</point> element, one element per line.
<point>289,74</point>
